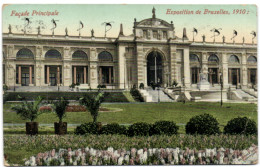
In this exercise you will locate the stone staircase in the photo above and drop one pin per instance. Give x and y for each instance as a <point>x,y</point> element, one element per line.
<point>242,95</point>
<point>161,95</point>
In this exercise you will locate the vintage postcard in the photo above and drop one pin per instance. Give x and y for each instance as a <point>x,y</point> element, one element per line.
<point>129,84</point>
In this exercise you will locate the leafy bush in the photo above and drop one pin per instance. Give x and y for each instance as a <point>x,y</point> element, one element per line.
<point>139,129</point>
<point>114,128</point>
<point>141,86</point>
<point>101,86</point>
<point>59,107</point>
<point>29,110</point>
<point>164,128</point>
<point>92,103</point>
<point>204,124</point>
<point>136,95</point>
<point>241,126</point>
<point>5,87</point>
<point>175,83</point>
<point>87,128</point>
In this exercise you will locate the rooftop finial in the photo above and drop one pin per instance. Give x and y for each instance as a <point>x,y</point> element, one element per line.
<point>66,31</point>
<point>184,34</point>
<point>92,33</point>
<point>153,11</point>
<point>10,29</point>
<point>121,30</point>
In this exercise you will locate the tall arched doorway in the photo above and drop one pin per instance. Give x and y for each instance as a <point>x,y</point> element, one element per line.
<point>154,68</point>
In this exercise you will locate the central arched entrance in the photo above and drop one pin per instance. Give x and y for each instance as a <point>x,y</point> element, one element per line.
<point>154,68</point>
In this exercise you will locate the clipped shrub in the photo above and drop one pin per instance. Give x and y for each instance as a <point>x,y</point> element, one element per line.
<point>136,95</point>
<point>141,86</point>
<point>114,128</point>
<point>204,124</point>
<point>164,128</point>
<point>241,125</point>
<point>139,129</point>
<point>86,128</point>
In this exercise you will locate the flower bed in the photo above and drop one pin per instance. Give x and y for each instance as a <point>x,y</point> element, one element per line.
<point>73,108</point>
<point>151,156</point>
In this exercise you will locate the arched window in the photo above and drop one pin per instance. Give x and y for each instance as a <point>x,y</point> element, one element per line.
<point>79,54</point>
<point>252,59</point>
<point>233,59</point>
<point>53,54</point>
<point>105,56</point>
<point>25,53</point>
<point>213,58</point>
<point>194,58</point>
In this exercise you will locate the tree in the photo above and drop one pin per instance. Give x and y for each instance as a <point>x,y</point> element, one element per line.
<point>92,103</point>
<point>29,110</point>
<point>59,108</point>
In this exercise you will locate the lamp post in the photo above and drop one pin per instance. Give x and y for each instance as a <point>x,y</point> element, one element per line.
<point>221,88</point>
<point>155,68</point>
<point>184,91</point>
<point>158,94</point>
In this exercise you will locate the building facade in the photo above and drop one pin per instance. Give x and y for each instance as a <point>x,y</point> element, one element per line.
<point>152,54</point>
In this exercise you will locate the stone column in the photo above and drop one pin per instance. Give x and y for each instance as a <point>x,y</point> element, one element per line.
<point>10,74</point>
<point>249,76</point>
<point>204,63</point>
<point>244,71</point>
<point>48,75</point>
<point>30,74</point>
<point>230,75</point>
<point>225,70</point>
<point>58,75</point>
<point>173,64</point>
<point>140,65</point>
<point>19,74</point>
<point>93,69</point>
<point>109,75</point>
<point>121,66</point>
<point>85,75</point>
<point>100,75</point>
<point>238,76</point>
<point>75,74</point>
<point>186,66</point>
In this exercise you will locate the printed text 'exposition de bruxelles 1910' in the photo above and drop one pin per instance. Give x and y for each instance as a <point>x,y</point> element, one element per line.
<point>206,12</point>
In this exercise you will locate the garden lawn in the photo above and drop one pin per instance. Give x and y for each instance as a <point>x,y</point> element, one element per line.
<point>149,112</point>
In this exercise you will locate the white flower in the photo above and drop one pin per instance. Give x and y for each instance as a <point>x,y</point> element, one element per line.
<point>145,155</point>
<point>120,161</point>
<point>140,151</point>
<point>208,152</point>
<point>127,158</point>
<point>62,164</point>
<point>199,155</point>
<point>150,152</point>
<point>27,163</point>
<point>110,149</point>
<point>75,163</point>
<point>86,149</point>
<point>162,161</point>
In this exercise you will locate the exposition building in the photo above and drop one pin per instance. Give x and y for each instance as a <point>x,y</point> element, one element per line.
<point>152,54</point>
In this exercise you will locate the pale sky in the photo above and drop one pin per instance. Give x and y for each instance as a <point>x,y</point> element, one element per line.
<point>94,15</point>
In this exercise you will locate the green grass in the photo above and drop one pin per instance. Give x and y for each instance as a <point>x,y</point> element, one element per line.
<point>149,112</point>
